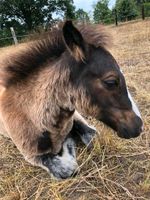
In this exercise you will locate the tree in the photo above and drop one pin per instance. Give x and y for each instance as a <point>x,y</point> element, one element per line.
<point>33,13</point>
<point>142,1</point>
<point>143,8</point>
<point>81,15</point>
<point>147,8</point>
<point>66,9</point>
<point>127,9</point>
<point>102,13</point>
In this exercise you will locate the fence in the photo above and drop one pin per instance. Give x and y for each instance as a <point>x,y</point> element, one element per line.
<point>13,38</point>
<point>144,11</point>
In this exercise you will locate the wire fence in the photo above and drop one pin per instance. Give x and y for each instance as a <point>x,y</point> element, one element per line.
<point>8,40</point>
<point>15,38</point>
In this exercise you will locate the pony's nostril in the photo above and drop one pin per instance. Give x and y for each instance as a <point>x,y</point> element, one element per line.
<point>133,131</point>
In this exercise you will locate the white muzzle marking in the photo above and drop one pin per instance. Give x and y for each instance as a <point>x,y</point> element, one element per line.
<point>134,106</point>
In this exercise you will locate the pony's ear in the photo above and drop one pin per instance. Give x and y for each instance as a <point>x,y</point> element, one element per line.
<point>74,41</point>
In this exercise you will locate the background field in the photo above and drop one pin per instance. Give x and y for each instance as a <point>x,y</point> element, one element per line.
<point>115,169</point>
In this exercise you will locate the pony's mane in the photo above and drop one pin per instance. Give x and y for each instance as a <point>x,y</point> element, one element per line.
<point>19,65</point>
<point>95,34</point>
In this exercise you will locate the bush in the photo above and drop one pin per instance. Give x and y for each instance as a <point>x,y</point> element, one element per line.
<point>147,9</point>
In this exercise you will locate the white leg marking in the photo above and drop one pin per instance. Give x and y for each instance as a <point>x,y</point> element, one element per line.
<point>68,158</point>
<point>60,166</point>
<point>64,166</point>
<point>78,116</point>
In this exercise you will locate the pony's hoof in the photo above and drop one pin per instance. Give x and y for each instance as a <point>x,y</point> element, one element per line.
<point>62,165</point>
<point>88,136</point>
<point>85,132</point>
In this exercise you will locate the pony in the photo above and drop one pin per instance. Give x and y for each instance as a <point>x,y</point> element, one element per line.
<point>46,84</point>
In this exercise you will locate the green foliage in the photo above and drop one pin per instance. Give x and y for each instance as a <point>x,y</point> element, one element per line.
<point>81,15</point>
<point>143,7</point>
<point>102,13</point>
<point>138,2</point>
<point>66,8</point>
<point>28,15</point>
<point>5,34</point>
<point>147,9</point>
<point>33,13</point>
<point>126,9</point>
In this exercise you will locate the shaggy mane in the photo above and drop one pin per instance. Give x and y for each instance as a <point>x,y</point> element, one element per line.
<point>95,34</point>
<point>18,65</point>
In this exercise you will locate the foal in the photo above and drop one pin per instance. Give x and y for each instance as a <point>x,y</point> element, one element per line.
<point>43,85</point>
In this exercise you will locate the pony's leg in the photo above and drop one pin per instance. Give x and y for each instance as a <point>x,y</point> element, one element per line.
<point>83,129</point>
<point>62,165</point>
<point>36,146</point>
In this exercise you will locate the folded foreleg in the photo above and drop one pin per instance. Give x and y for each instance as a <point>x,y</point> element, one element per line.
<point>62,165</point>
<point>82,129</point>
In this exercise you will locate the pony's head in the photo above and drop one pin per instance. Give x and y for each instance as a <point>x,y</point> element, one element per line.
<point>99,82</point>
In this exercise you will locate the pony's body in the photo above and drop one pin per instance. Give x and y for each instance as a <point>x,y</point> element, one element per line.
<point>40,103</point>
<point>30,108</point>
<point>44,83</point>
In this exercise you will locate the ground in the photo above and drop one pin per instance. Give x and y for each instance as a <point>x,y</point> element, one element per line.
<point>115,169</point>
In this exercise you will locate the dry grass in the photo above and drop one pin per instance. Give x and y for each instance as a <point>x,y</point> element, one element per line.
<point>115,169</point>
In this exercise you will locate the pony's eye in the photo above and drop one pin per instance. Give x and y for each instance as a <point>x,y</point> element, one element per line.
<point>112,83</point>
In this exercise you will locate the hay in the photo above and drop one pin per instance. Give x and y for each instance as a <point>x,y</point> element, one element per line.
<point>115,169</point>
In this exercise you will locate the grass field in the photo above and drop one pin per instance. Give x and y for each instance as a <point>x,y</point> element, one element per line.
<point>115,169</point>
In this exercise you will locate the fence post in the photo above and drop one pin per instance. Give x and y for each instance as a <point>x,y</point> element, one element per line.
<point>14,35</point>
<point>143,11</point>
<point>116,17</point>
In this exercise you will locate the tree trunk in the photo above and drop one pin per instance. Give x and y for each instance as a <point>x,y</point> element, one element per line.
<point>143,11</point>
<point>116,18</point>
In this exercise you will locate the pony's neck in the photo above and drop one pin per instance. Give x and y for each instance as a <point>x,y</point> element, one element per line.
<point>50,92</point>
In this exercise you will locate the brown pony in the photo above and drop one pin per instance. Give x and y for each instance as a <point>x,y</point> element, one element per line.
<point>46,83</point>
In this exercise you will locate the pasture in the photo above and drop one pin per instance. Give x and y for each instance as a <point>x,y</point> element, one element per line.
<point>116,169</point>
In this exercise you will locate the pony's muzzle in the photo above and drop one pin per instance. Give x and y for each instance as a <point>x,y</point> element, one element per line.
<point>132,129</point>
